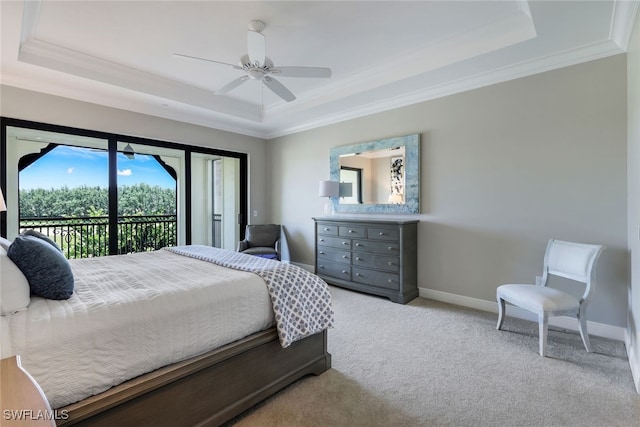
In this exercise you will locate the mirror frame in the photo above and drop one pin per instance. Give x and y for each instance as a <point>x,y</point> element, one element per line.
<point>412,174</point>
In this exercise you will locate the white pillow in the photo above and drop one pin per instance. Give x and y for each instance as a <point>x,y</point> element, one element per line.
<point>4,243</point>
<point>15,294</point>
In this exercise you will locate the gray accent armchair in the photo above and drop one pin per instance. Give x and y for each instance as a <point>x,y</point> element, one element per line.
<point>262,240</point>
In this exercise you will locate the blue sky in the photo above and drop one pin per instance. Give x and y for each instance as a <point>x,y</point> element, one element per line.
<point>75,167</point>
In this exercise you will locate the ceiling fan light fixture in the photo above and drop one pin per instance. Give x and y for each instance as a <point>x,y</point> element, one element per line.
<point>256,74</point>
<point>256,26</point>
<point>128,152</point>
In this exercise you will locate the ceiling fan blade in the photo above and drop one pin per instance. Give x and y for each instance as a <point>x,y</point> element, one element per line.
<point>256,47</point>
<point>302,71</point>
<point>207,60</point>
<point>232,85</point>
<point>278,88</point>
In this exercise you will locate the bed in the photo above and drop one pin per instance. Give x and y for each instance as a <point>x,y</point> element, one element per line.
<point>191,335</point>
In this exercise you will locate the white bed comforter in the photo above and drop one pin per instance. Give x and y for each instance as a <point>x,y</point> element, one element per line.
<point>301,300</point>
<point>130,315</point>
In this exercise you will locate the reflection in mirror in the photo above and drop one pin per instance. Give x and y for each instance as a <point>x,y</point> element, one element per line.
<point>378,176</point>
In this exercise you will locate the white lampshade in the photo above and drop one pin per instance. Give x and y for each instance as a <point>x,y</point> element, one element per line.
<point>3,206</point>
<point>329,188</point>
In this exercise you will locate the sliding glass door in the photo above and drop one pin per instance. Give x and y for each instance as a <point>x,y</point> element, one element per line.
<point>215,200</point>
<point>98,194</point>
<point>147,197</point>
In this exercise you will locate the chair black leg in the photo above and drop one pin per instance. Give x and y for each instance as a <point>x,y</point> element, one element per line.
<point>501,309</point>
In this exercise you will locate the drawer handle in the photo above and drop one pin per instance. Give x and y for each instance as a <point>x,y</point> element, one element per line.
<point>345,243</point>
<point>358,274</point>
<point>358,258</point>
<point>321,266</point>
<point>345,256</point>
<point>390,248</point>
<point>344,271</point>
<point>381,233</point>
<point>391,280</point>
<point>351,231</point>
<point>321,252</point>
<point>358,244</point>
<point>321,240</point>
<point>391,263</point>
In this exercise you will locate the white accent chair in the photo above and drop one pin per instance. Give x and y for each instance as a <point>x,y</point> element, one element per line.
<point>575,261</point>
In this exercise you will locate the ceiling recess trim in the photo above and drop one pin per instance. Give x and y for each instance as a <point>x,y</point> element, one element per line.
<point>202,107</point>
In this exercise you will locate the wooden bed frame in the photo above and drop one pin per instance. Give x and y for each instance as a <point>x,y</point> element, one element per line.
<point>209,389</point>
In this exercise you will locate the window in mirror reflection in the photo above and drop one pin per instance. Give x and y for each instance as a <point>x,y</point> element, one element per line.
<point>352,176</point>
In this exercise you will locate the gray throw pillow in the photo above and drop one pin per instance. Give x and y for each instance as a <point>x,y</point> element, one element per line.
<point>43,264</point>
<point>39,235</point>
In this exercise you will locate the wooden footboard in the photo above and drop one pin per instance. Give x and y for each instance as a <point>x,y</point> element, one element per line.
<point>208,389</point>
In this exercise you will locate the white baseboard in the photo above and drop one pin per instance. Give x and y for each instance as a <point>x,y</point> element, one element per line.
<point>634,361</point>
<point>598,329</point>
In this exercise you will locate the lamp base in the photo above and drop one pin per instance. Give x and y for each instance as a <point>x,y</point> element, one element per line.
<point>328,208</point>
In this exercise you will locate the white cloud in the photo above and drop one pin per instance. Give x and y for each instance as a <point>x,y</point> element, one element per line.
<point>124,172</point>
<point>70,170</point>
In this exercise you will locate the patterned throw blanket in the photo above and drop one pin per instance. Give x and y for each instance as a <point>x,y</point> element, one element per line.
<point>301,300</point>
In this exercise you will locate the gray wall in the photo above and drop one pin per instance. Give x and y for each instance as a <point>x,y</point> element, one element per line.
<point>504,168</point>
<point>633,135</point>
<point>21,104</point>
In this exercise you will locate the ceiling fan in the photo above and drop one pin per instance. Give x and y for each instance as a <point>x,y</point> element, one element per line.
<point>258,66</point>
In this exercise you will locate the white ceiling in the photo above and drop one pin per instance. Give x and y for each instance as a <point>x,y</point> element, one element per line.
<point>383,54</point>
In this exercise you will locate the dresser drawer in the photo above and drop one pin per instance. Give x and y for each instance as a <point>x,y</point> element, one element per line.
<point>388,248</point>
<point>327,229</point>
<point>340,271</point>
<point>335,242</point>
<point>383,234</point>
<point>388,263</point>
<point>376,278</point>
<point>349,231</point>
<point>328,253</point>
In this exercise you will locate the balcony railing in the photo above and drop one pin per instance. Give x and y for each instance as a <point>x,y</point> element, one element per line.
<point>84,237</point>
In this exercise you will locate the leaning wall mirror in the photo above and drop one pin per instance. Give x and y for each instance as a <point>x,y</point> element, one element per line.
<point>378,176</point>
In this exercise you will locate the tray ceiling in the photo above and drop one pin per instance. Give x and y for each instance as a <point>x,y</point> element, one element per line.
<point>383,54</point>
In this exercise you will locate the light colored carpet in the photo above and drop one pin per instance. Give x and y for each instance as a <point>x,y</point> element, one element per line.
<point>433,364</point>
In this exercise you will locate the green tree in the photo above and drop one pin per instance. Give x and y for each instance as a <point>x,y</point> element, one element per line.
<point>88,236</point>
<point>139,199</point>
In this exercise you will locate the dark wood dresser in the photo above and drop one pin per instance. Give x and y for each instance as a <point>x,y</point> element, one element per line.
<point>373,256</point>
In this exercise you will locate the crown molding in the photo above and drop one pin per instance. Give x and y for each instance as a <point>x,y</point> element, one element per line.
<point>106,96</point>
<point>622,19</point>
<point>499,75</point>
